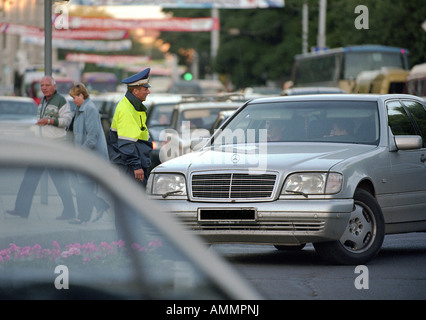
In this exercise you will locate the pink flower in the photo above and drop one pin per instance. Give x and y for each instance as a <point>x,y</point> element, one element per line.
<point>87,252</point>
<point>138,247</point>
<point>155,243</point>
<point>56,245</point>
<point>14,248</point>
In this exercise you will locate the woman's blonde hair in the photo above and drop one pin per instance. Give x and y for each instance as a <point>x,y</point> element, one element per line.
<point>79,88</point>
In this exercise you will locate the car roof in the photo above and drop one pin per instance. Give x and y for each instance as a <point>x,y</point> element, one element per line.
<point>341,97</point>
<point>211,101</point>
<point>154,99</point>
<point>163,97</point>
<point>208,105</point>
<point>312,90</point>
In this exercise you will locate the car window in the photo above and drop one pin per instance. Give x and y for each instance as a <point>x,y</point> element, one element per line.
<point>122,255</point>
<point>398,119</point>
<point>307,121</point>
<point>160,115</point>
<point>418,112</point>
<point>202,118</point>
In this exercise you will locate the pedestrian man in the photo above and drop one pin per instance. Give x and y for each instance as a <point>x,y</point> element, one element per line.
<point>54,118</point>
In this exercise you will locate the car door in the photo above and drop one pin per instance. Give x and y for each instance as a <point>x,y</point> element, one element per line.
<point>406,117</point>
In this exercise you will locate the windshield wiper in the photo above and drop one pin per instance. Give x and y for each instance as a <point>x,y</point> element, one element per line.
<point>297,192</point>
<point>169,193</point>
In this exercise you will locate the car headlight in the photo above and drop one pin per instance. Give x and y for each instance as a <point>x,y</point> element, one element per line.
<point>166,184</point>
<point>313,183</point>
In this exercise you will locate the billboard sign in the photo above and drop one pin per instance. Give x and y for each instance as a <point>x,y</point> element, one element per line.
<point>193,4</point>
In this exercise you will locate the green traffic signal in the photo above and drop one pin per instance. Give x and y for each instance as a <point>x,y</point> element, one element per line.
<point>187,76</point>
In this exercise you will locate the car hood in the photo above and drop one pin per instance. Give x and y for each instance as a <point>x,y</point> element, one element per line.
<point>271,157</point>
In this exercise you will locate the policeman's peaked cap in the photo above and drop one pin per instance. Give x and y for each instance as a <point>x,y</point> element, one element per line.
<point>139,79</point>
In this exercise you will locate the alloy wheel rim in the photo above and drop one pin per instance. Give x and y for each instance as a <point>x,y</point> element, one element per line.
<point>361,230</point>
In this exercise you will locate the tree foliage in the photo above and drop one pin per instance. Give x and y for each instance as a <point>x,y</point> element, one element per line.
<point>259,45</point>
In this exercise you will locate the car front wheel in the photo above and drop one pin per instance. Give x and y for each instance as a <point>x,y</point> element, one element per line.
<point>363,236</point>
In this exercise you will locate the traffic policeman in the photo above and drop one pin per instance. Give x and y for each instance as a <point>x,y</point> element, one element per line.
<point>129,142</point>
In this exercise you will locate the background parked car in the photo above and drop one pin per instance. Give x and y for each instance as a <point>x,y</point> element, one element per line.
<point>133,252</point>
<point>345,170</point>
<point>385,80</point>
<point>221,118</point>
<point>185,87</point>
<point>194,115</point>
<point>106,104</point>
<point>311,90</point>
<point>17,115</point>
<point>416,81</point>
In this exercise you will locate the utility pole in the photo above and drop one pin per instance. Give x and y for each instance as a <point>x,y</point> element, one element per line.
<point>47,72</point>
<point>305,21</point>
<point>48,37</point>
<point>321,26</point>
<point>214,41</point>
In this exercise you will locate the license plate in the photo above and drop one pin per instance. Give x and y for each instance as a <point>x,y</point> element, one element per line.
<point>226,214</point>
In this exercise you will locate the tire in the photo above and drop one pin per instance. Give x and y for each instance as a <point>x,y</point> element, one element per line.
<point>363,237</point>
<point>289,248</point>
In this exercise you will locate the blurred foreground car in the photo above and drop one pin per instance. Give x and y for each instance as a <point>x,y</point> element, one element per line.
<point>134,251</point>
<point>17,116</point>
<point>341,189</point>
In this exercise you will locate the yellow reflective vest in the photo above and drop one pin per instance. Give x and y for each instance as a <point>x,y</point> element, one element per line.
<point>129,123</point>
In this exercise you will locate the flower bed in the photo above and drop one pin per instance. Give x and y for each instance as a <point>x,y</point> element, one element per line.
<point>87,253</point>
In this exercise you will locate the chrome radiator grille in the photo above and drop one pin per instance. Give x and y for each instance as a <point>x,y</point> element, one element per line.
<point>233,186</point>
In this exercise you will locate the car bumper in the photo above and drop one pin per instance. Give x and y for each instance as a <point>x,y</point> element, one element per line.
<point>279,222</point>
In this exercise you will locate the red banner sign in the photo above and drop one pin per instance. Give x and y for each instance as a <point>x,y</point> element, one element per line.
<point>110,59</point>
<point>28,31</point>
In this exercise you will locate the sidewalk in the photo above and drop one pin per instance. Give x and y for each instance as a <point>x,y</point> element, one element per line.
<point>43,228</point>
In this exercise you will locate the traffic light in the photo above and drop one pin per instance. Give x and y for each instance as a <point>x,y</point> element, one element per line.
<point>187,76</point>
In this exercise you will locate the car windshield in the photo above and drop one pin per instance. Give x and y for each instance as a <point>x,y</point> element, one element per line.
<point>202,118</point>
<point>122,255</point>
<point>303,121</point>
<point>160,115</point>
<point>17,109</point>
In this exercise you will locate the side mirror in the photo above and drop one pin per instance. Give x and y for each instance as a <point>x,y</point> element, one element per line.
<point>408,142</point>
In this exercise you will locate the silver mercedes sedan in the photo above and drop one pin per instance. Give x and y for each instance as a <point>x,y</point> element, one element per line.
<point>338,171</point>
